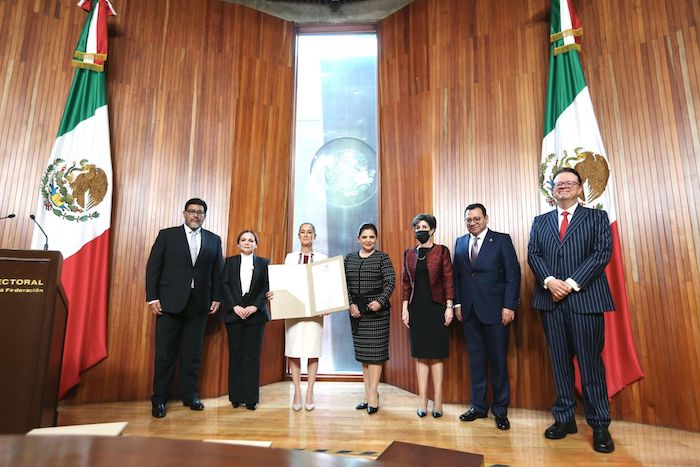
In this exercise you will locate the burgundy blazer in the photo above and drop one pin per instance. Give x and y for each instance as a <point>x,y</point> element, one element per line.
<point>439,273</point>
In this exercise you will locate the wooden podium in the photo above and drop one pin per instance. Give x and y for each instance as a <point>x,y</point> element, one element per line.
<point>33,310</point>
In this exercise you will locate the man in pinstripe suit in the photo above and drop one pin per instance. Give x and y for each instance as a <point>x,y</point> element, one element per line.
<point>568,251</point>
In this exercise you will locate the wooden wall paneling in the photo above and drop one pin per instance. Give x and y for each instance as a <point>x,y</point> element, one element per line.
<point>262,167</point>
<point>405,159</point>
<point>200,103</point>
<point>191,92</point>
<point>488,65</point>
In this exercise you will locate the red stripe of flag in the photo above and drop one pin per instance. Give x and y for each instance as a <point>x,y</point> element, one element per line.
<point>84,277</point>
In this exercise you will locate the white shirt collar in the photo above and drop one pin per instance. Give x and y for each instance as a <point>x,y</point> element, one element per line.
<point>570,210</point>
<point>482,235</point>
<point>189,231</point>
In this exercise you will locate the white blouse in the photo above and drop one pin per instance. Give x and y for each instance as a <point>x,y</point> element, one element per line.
<point>246,273</point>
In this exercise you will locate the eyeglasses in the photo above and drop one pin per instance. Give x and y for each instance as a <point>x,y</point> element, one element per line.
<point>565,184</point>
<point>193,212</point>
<point>470,220</point>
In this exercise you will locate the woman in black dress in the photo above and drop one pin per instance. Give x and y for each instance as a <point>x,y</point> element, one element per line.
<point>428,290</point>
<point>371,279</point>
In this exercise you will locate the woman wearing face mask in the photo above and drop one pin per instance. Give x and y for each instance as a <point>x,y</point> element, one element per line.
<point>303,335</point>
<point>427,291</point>
<point>371,279</point>
<point>245,283</point>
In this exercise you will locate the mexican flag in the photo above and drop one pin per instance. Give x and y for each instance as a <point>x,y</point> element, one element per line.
<point>75,200</point>
<point>572,139</point>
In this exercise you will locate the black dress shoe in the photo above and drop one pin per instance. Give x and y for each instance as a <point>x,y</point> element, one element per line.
<point>421,413</point>
<point>361,406</point>
<point>602,441</point>
<point>502,422</point>
<point>196,404</point>
<point>371,410</point>
<point>235,404</point>
<point>159,410</point>
<point>471,415</point>
<point>252,406</point>
<point>560,429</point>
<point>437,414</point>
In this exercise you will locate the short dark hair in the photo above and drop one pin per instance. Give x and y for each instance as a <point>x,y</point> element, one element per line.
<point>475,206</point>
<point>240,234</point>
<point>197,202</point>
<point>428,218</point>
<point>313,227</point>
<point>367,226</point>
<point>568,170</point>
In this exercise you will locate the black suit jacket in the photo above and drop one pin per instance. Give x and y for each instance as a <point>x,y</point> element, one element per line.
<point>233,295</point>
<point>169,271</point>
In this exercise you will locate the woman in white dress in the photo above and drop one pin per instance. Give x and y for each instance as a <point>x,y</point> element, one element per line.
<point>303,335</point>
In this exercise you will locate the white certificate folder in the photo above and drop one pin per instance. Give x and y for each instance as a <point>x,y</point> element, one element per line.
<point>305,290</point>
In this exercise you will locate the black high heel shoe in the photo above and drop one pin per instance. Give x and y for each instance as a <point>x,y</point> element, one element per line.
<point>361,406</point>
<point>370,409</point>
<point>421,413</point>
<point>437,414</point>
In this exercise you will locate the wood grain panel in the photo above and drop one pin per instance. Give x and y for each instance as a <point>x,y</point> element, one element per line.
<point>200,105</point>
<point>462,86</point>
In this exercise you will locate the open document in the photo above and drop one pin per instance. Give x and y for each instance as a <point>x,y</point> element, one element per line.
<point>304,290</point>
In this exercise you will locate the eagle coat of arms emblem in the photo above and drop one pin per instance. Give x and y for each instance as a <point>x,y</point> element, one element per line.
<point>593,168</point>
<point>73,189</point>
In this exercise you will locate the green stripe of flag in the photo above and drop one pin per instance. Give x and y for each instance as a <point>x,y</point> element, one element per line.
<point>87,94</point>
<point>555,25</point>
<point>566,81</point>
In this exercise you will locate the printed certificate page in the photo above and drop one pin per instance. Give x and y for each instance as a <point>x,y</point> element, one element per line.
<point>329,290</point>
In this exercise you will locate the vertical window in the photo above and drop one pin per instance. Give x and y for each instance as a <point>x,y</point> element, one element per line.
<point>335,158</point>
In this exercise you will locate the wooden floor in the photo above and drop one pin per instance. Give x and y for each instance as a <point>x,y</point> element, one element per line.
<point>335,425</point>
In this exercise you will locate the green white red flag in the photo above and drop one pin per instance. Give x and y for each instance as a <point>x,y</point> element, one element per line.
<point>572,139</point>
<point>75,201</point>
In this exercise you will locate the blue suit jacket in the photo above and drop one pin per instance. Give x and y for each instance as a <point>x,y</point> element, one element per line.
<point>581,255</point>
<point>492,283</point>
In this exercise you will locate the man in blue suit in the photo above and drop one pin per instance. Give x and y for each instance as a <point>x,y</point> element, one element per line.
<point>487,285</point>
<point>568,250</point>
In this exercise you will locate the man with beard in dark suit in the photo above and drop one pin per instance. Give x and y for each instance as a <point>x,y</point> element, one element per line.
<point>183,286</point>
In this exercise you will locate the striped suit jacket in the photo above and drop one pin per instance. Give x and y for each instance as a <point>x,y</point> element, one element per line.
<point>581,255</point>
